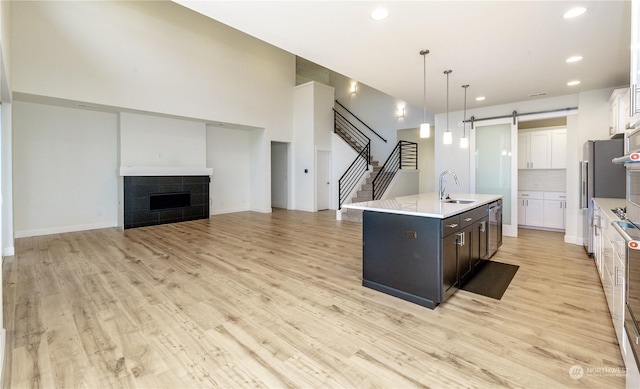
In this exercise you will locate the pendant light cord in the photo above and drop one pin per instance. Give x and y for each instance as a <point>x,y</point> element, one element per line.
<point>464,115</point>
<point>424,85</point>
<point>447,72</point>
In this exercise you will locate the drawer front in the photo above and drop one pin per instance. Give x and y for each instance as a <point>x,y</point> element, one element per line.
<point>480,213</point>
<point>467,219</point>
<point>450,225</point>
<point>555,196</point>
<point>530,194</point>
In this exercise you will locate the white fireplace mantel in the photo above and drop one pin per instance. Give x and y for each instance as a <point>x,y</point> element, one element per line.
<point>165,171</point>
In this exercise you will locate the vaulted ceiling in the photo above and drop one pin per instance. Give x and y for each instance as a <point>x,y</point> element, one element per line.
<point>507,51</point>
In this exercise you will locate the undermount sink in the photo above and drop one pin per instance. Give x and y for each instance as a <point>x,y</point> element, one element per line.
<point>457,201</point>
<point>625,225</point>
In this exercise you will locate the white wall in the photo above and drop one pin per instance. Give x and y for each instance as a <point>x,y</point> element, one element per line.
<point>154,141</point>
<point>65,163</point>
<point>426,158</point>
<point>161,60</point>
<point>404,183</point>
<point>303,178</point>
<point>229,155</point>
<point>152,56</point>
<point>380,111</point>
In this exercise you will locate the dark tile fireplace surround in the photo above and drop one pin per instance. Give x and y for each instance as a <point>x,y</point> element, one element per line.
<point>152,200</point>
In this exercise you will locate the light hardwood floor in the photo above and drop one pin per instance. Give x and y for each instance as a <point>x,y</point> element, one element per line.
<point>275,300</point>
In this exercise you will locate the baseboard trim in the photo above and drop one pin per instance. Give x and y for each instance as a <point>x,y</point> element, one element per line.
<point>63,229</point>
<point>228,210</point>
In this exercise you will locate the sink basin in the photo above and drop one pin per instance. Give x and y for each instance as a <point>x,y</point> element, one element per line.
<point>625,225</point>
<point>456,201</point>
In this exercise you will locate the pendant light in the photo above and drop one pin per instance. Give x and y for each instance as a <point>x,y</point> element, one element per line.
<point>447,138</point>
<point>425,128</point>
<point>464,141</point>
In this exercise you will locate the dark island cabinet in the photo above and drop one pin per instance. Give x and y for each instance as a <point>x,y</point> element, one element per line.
<point>422,259</point>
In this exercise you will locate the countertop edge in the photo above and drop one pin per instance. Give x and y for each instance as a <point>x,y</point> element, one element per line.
<point>462,208</point>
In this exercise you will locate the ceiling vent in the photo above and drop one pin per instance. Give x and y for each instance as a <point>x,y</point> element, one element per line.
<point>538,94</point>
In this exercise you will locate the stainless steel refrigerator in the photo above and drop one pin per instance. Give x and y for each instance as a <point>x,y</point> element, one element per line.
<point>599,177</point>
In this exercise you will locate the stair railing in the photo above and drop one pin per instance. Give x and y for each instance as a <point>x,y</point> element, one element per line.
<point>358,119</point>
<point>350,133</point>
<point>404,155</point>
<point>352,176</point>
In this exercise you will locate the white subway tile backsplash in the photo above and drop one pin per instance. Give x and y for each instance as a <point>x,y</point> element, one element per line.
<point>544,180</point>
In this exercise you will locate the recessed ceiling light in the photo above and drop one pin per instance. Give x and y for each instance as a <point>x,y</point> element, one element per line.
<point>379,14</point>
<point>573,83</point>
<point>480,98</point>
<point>574,12</point>
<point>575,58</point>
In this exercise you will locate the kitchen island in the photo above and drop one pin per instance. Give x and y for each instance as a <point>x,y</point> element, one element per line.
<point>421,249</point>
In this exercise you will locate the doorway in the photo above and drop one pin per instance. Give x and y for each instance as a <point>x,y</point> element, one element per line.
<point>493,169</point>
<point>280,175</point>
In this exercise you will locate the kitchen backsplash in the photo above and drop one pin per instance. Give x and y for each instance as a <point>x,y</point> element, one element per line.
<point>553,180</point>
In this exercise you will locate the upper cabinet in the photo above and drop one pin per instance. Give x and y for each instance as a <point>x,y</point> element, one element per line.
<point>542,149</point>
<point>619,111</point>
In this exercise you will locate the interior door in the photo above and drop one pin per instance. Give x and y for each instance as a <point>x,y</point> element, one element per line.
<point>323,182</point>
<point>494,168</point>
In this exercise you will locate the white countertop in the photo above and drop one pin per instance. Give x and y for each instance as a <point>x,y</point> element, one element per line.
<point>607,204</point>
<point>425,204</point>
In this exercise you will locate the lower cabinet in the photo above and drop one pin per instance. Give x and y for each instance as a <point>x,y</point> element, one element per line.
<point>465,244</point>
<point>424,259</point>
<point>530,208</point>
<point>449,263</point>
<point>463,247</point>
<point>542,209</point>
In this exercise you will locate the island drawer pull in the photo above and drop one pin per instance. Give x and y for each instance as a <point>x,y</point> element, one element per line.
<point>468,219</point>
<point>452,225</point>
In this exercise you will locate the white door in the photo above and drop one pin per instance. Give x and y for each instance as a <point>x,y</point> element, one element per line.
<point>323,181</point>
<point>494,170</point>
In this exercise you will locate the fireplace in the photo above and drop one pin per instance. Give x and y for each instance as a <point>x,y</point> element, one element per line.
<point>152,200</point>
<point>162,201</point>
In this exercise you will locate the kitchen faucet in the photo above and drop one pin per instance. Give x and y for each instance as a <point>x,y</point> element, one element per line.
<point>443,195</point>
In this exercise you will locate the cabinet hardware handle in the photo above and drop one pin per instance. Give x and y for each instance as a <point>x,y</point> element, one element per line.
<point>452,225</point>
<point>461,240</point>
<point>468,219</point>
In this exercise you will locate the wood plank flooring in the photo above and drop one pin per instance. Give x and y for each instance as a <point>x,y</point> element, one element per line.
<point>275,300</point>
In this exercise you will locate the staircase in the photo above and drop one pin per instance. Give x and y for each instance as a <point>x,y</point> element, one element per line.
<point>364,194</point>
<point>364,170</point>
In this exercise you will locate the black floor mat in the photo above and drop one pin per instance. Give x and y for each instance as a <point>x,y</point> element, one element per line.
<point>492,280</point>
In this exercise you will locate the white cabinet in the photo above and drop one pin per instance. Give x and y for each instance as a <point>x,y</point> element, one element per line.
<point>530,208</point>
<point>559,149</point>
<point>613,273</point>
<point>534,150</point>
<point>542,149</point>
<point>555,206</point>
<point>618,111</point>
<point>542,209</point>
